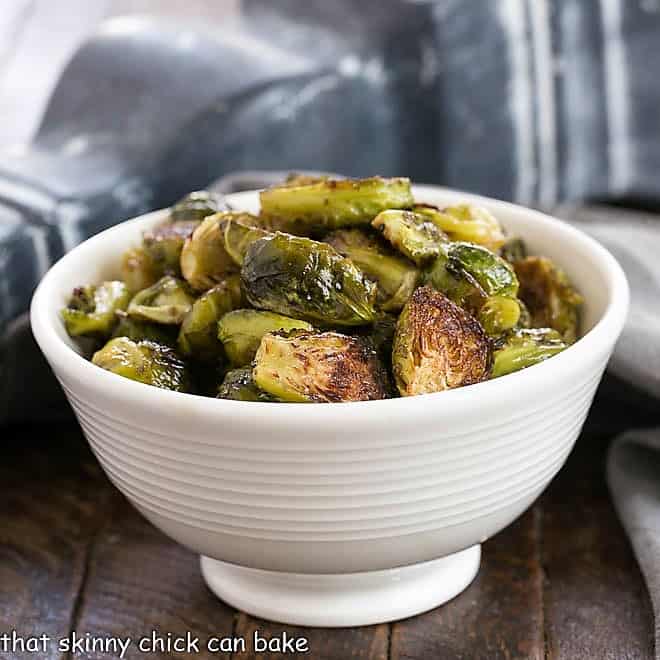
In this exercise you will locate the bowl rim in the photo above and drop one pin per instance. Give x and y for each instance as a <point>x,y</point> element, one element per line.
<point>597,341</point>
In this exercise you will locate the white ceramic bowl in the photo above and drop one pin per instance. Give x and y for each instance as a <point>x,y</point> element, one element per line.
<point>327,499</point>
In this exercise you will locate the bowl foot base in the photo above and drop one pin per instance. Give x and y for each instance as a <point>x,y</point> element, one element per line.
<point>352,599</point>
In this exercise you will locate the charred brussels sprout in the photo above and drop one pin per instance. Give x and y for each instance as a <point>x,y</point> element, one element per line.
<point>167,301</point>
<point>238,237</point>
<point>163,244</point>
<point>513,250</point>
<point>198,337</point>
<point>239,385</point>
<point>197,205</point>
<point>332,204</point>
<point>466,222</point>
<point>138,270</point>
<point>241,331</point>
<point>306,279</point>
<point>396,277</point>
<point>92,309</point>
<point>324,367</point>
<point>145,361</point>
<point>204,260</point>
<point>412,234</point>
<point>525,347</point>
<point>437,346</point>
<point>143,330</point>
<point>551,300</point>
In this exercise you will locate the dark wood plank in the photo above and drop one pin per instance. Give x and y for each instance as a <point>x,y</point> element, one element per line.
<point>139,581</point>
<point>53,499</point>
<point>365,643</point>
<point>596,602</point>
<point>499,616</point>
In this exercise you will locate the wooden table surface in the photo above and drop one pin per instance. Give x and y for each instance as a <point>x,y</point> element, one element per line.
<point>561,582</point>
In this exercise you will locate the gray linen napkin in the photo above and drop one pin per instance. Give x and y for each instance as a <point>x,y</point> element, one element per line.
<point>633,466</point>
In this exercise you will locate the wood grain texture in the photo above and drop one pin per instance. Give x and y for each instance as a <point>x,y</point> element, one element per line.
<point>498,616</point>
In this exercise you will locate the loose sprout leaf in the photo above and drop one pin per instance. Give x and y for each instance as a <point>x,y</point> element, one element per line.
<point>241,330</point>
<point>524,348</point>
<point>324,367</point>
<point>145,361</point>
<point>437,346</point>
<point>138,270</point>
<point>205,261</point>
<point>412,234</point>
<point>395,276</point>
<point>551,300</point>
<point>163,244</point>
<point>168,301</point>
<point>198,337</point>
<point>198,205</point>
<point>466,222</point>
<point>239,385</point>
<point>332,204</point>
<point>91,311</point>
<point>306,279</point>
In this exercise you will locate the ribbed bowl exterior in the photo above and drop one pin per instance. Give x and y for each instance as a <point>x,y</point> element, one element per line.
<point>336,488</point>
<point>329,504</point>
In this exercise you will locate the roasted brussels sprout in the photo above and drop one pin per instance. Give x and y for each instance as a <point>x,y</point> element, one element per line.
<point>145,361</point>
<point>241,331</point>
<point>91,309</point>
<point>163,244</point>
<point>239,385</point>
<point>306,279</point>
<point>525,347</point>
<point>551,300</point>
<point>412,234</point>
<point>465,222</point>
<point>197,205</point>
<point>322,367</point>
<point>239,236</point>
<point>198,337</point>
<point>332,204</point>
<point>167,301</point>
<point>138,270</point>
<point>137,330</point>
<point>494,275</point>
<point>437,346</point>
<point>204,260</point>
<point>513,250</point>
<point>499,314</point>
<point>396,276</point>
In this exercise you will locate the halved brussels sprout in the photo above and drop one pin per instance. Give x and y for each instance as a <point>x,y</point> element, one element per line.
<point>241,331</point>
<point>549,296</point>
<point>437,346</point>
<point>396,276</point>
<point>204,260</point>
<point>332,204</point>
<point>513,250</point>
<point>91,309</point>
<point>163,244</point>
<point>239,385</point>
<point>138,270</point>
<point>197,205</point>
<point>322,367</point>
<point>198,337</point>
<point>238,237</point>
<point>494,275</point>
<point>465,222</point>
<point>137,330</point>
<point>167,301</point>
<point>145,361</point>
<point>412,234</point>
<point>499,314</point>
<point>525,347</point>
<point>306,279</point>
